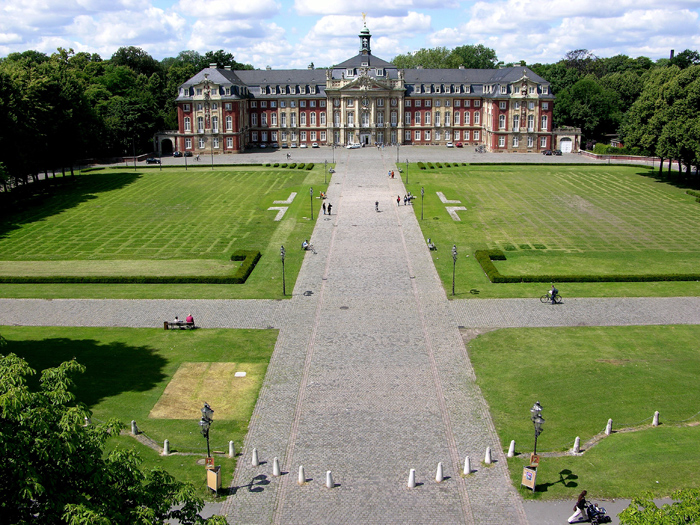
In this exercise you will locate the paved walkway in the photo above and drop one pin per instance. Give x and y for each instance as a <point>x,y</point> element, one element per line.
<point>369,377</point>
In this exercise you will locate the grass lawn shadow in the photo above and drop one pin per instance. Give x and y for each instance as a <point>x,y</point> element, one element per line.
<point>566,478</point>
<point>111,368</point>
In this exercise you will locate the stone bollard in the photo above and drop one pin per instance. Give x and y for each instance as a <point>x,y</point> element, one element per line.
<point>511,449</point>
<point>655,423</point>
<point>255,461</point>
<point>231,449</point>
<point>577,445</point>
<point>166,447</point>
<point>439,476</point>
<point>329,480</point>
<point>487,458</point>
<point>608,428</point>
<point>302,475</point>
<point>467,466</point>
<point>275,467</point>
<point>412,479</point>
<point>134,428</point>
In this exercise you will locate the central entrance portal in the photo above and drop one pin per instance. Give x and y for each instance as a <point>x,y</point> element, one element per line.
<point>364,138</point>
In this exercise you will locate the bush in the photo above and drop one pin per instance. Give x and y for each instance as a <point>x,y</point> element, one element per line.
<point>439,165</point>
<point>447,164</point>
<point>431,166</point>
<point>283,165</point>
<point>268,165</point>
<point>292,165</point>
<point>300,166</point>
<point>310,166</point>
<point>695,194</point>
<point>604,149</point>
<point>421,165</point>
<point>276,165</point>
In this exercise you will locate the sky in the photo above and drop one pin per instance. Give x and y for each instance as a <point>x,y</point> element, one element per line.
<point>289,34</point>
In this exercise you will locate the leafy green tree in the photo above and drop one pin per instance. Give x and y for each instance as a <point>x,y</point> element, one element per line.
<point>686,59</point>
<point>472,57</point>
<point>436,58</point>
<point>589,106</point>
<point>54,468</point>
<point>136,59</point>
<point>643,511</point>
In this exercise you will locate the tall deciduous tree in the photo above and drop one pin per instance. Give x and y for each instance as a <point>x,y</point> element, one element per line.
<point>53,468</point>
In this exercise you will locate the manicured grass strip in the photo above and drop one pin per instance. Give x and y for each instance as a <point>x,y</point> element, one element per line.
<point>583,376</point>
<point>485,258</point>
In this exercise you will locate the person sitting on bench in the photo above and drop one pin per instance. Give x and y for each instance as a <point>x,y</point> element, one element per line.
<point>189,319</point>
<point>431,245</point>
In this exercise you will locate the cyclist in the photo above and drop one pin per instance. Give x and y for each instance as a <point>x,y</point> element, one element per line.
<point>553,294</point>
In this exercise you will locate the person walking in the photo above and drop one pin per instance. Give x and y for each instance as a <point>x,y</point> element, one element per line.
<point>330,206</point>
<point>376,205</point>
<point>398,200</point>
<point>324,208</point>
<point>405,200</point>
<point>579,509</point>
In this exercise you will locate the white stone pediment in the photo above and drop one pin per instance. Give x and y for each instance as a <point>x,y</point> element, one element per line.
<point>365,83</point>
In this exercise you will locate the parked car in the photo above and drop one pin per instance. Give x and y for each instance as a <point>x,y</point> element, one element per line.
<point>285,145</point>
<point>177,154</point>
<point>152,160</point>
<point>293,145</point>
<point>353,146</point>
<point>547,152</point>
<point>274,145</point>
<point>314,145</point>
<point>450,145</point>
<point>557,152</point>
<point>263,146</point>
<point>458,145</point>
<point>303,146</point>
<point>188,154</point>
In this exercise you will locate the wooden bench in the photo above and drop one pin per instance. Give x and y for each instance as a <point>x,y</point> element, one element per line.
<point>180,325</point>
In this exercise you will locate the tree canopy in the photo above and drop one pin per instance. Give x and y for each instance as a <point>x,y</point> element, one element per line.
<point>54,468</point>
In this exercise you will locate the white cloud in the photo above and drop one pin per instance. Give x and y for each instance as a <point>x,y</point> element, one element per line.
<point>228,9</point>
<point>387,7</point>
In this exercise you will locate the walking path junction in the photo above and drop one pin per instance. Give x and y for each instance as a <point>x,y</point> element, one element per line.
<point>370,376</point>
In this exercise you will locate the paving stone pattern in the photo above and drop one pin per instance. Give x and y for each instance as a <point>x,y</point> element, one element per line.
<point>369,377</point>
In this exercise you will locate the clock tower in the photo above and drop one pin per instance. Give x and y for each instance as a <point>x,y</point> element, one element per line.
<point>364,38</point>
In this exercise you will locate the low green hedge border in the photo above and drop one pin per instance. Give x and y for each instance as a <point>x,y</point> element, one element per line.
<point>249,257</point>
<point>695,194</point>
<point>486,258</point>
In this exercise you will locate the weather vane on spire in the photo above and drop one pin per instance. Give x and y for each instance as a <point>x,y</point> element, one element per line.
<point>364,21</point>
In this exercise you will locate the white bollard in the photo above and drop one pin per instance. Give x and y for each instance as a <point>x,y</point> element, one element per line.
<point>439,477</point>
<point>134,428</point>
<point>511,449</point>
<point>255,461</point>
<point>231,449</point>
<point>302,475</point>
<point>577,445</point>
<point>412,479</point>
<point>275,467</point>
<point>487,458</point>
<point>655,423</point>
<point>329,480</point>
<point>608,428</point>
<point>166,447</point>
<point>467,466</point>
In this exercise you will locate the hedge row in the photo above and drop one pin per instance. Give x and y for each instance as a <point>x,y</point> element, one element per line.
<point>430,165</point>
<point>695,194</point>
<point>249,257</point>
<point>485,258</point>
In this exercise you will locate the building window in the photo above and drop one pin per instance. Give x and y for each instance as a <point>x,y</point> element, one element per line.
<point>466,135</point>
<point>504,90</point>
<point>417,135</point>
<point>501,122</point>
<point>273,136</point>
<point>263,119</point>
<point>416,118</point>
<point>215,142</point>
<point>501,142</point>
<point>185,107</point>
<point>273,103</point>
<point>322,103</point>
<point>544,122</point>
<point>292,103</point>
<point>273,118</point>
<point>515,142</point>
<point>532,90</point>
<point>263,103</point>
<point>530,142</point>
<point>380,72</point>
<point>336,119</point>
<point>323,118</point>
<point>215,124</point>
<point>188,124</point>
<point>229,123</point>
<point>199,107</point>
<point>530,106</point>
<point>303,136</point>
<point>477,117</point>
<point>253,104</point>
<point>427,118</point>
<point>200,124</point>
<point>407,136</point>
<point>458,103</point>
<point>545,106</point>
<point>201,142</point>
<point>254,136</point>
<point>516,122</point>
<point>457,134</point>
<point>227,106</point>
<point>351,118</point>
<point>543,142</point>
<point>545,90</point>
<point>199,91</point>
<point>467,118</point>
<point>457,118</point>
<point>380,102</point>
<point>417,103</point>
<point>302,103</point>
<point>313,118</point>
<point>501,105</point>
<point>349,72</point>
<point>254,119</point>
<point>476,135</point>
<point>284,136</point>
<point>437,119</point>
<point>188,143</point>
<point>294,120</point>
<point>313,136</point>
<point>394,102</point>
<point>477,103</point>
<point>302,119</point>
<point>407,104</point>
<point>427,103</point>
<point>531,123</point>
<point>437,104</point>
<point>229,142</point>
<point>437,135</point>
<point>407,118</point>
<point>349,102</point>
<point>365,119</point>
<point>283,119</point>
<point>312,103</point>
<point>448,135</point>
<point>283,103</point>
<point>426,134</point>
<point>323,136</point>
<point>394,118</point>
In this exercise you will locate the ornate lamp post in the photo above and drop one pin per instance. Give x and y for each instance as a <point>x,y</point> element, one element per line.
<point>537,421</point>
<point>284,286</point>
<point>205,423</point>
<point>454,265</point>
<point>422,195</point>
<point>311,195</point>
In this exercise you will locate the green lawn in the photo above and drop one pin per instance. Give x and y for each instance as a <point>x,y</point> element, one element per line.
<point>129,369</point>
<point>564,219</point>
<point>148,222</point>
<point>584,376</point>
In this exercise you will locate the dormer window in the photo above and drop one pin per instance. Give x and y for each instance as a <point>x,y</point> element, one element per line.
<point>504,90</point>
<point>349,72</point>
<point>532,90</point>
<point>545,90</point>
<point>380,72</point>
<point>199,91</point>
<point>365,64</point>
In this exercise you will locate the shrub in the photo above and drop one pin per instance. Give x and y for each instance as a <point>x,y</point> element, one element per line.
<point>421,165</point>
<point>283,165</point>
<point>431,166</point>
<point>300,166</point>
<point>447,164</point>
<point>310,166</point>
<point>292,165</point>
<point>276,165</point>
<point>439,165</point>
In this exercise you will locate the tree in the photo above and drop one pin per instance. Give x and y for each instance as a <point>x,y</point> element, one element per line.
<point>643,511</point>
<point>136,59</point>
<point>473,57</point>
<point>54,468</point>
<point>427,58</point>
<point>686,59</point>
<point>589,106</point>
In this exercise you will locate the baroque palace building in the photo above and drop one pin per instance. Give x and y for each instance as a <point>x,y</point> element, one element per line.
<point>364,100</point>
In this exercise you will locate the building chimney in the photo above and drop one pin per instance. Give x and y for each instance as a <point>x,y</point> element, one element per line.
<point>672,53</point>
<point>227,68</point>
<point>268,68</point>
<point>212,65</point>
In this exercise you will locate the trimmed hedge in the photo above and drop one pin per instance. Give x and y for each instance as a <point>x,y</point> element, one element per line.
<point>485,258</point>
<point>300,166</point>
<point>421,165</point>
<point>292,165</point>
<point>310,166</point>
<point>695,194</point>
<point>249,257</point>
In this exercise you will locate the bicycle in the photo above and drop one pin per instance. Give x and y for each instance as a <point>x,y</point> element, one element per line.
<point>546,298</point>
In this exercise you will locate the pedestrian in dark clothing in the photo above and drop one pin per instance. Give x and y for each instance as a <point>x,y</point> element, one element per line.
<point>324,208</point>
<point>398,200</point>
<point>329,208</point>
<point>405,200</point>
